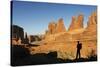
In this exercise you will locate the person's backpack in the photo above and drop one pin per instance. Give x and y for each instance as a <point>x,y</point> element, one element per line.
<point>80,45</point>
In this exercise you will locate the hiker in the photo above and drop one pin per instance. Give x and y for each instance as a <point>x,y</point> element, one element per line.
<point>79,47</point>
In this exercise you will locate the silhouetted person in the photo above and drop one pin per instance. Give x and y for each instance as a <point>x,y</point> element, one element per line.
<point>79,47</point>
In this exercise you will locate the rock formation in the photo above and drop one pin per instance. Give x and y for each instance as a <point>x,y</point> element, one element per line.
<point>26,39</point>
<point>51,28</point>
<point>72,25</point>
<point>91,25</point>
<point>76,23</point>
<point>91,29</point>
<point>56,27</point>
<point>65,42</point>
<point>60,26</point>
<point>80,21</point>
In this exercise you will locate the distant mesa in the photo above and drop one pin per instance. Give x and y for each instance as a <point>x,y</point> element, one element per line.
<point>17,34</point>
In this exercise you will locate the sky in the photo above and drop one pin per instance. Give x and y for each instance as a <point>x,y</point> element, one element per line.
<point>34,17</point>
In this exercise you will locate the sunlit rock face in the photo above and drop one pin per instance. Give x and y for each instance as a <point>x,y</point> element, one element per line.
<point>51,28</point>
<point>92,22</point>
<point>91,29</point>
<point>76,23</point>
<point>80,20</point>
<point>60,26</point>
<point>72,25</point>
<point>65,42</point>
<point>54,30</point>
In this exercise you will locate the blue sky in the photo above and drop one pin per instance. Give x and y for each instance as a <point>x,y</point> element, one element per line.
<point>34,17</point>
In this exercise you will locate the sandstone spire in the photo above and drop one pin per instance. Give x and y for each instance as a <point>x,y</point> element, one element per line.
<point>72,25</point>
<point>60,26</point>
<point>91,25</point>
<point>51,28</point>
<point>91,29</point>
<point>76,23</point>
<point>80,21</point>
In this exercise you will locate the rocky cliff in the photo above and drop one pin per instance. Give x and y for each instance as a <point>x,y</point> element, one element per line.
<point>65,42</point>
